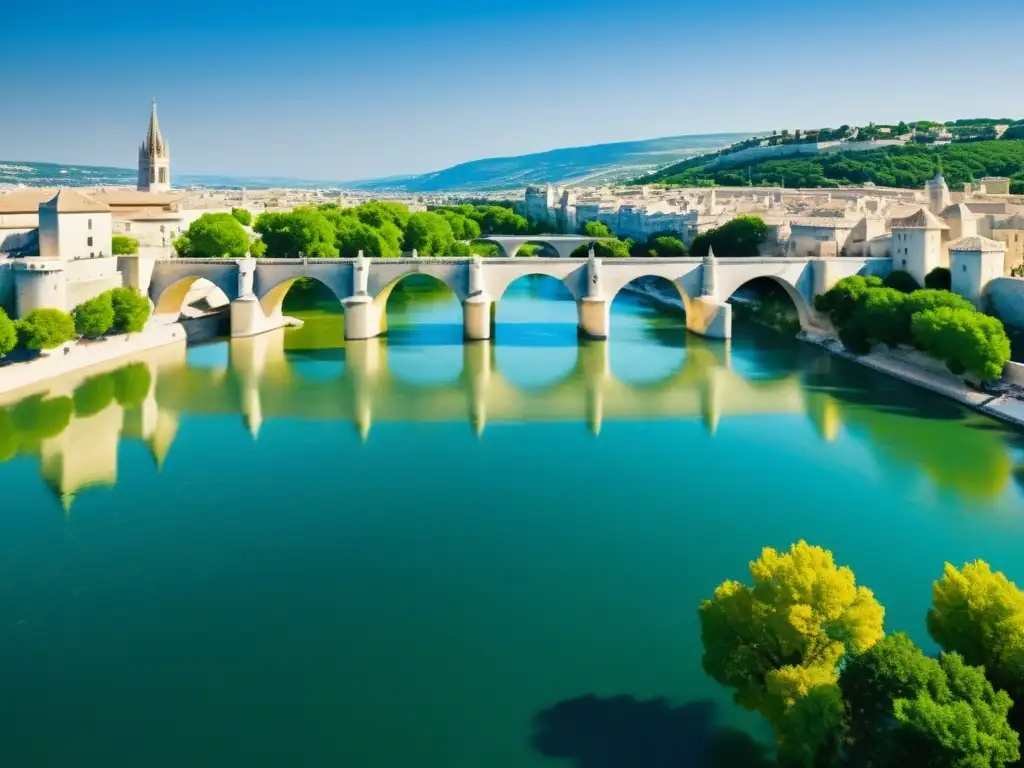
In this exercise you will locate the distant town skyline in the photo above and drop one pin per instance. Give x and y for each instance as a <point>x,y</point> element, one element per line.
<point>319,90</point>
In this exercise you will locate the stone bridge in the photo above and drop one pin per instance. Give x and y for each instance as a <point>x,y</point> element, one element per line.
<point>257,287</point>
<point>563,245</point>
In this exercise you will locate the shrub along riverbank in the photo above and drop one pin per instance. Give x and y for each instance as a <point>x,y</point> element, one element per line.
<point>866,312</point>
<point>119,310</point>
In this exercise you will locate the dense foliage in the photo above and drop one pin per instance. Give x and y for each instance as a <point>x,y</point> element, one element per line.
<point>942,324</point>
<point>213,235</point>
<point>603,249</point>
<point>132,384</point>
<point>131,310</point>
<point>805,647</point>
<point>8,334</point>
<point>902,281</point>
<point>939,279</point>
<point>595,229</point>
<point>908,166</point>
<point>94,317</point>
<point>123,245</point>
<point>242,216</point>
<point>45,329</point>
<point>741,236</point>
<point>773,641</point>
<point>666,246</point>
<point>429,234</point>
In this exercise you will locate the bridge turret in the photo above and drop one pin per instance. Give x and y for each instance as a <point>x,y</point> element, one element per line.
<point>708,271</point>
<point>594,286</point>
<point>476,276</point>
<point>361,276</point>
<point>246,275</point>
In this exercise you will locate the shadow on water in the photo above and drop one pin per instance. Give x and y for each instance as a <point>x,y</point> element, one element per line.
<point>625,732</point>
<point>535,335</point>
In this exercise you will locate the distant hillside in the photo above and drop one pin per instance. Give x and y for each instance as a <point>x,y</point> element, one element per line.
<point>966,150</point>
<point>593,164</point>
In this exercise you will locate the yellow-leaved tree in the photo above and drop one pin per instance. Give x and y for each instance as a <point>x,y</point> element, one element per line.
<point>979,613</point>
<point>775,642</point>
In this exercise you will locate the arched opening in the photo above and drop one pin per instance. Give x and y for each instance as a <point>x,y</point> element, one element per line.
<point>422,318</point>
<point>315,351</point>
<point>535,335</point>
<point>648,325</point>
<point>533,249</point>
<point>772,303</point>
<point>767,314</point>
<point>191,296</point>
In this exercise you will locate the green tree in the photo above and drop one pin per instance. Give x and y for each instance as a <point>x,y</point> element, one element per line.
<point>94,317</point>
<point>123,245</point>
<point>132,384</point>
<point>775,641</point>
<point>741,236</point>
<point>961,725</point>
<point>94,395</point>
<point>305,231</point>
<point>377,214</point>
<point>257,248</point>
<point>463,227</point>
<point>903,708</point>
<point>965,339</point>
<point>595,229</point>
<point>242,216</point>
<point>353,236</point>
<point>902,281</point>
<point>45,328</point>
<point>979,613</point>
<point>131,310</point>
<point>429,233</point>
<point>213,235</point>
<point>841,300</point>
<point>603,249</point>
<point>939,279</point>
<point>666,246</point>
<point>879,315</point>
<point>8,334</point>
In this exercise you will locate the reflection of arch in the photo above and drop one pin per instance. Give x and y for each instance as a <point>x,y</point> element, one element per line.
<point>803,310</point>
<point>380,301</point>
<point>273,300</point>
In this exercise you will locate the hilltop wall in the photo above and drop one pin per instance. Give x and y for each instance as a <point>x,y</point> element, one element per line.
<point>757,154</point>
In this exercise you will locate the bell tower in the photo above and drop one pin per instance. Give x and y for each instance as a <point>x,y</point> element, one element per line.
<point>154,159</point>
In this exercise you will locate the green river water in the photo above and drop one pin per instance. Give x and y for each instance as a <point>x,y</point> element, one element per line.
<point>414,553</point>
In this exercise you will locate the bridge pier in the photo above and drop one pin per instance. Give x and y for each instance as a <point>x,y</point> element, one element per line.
<point>707,316</point>
<point>594,318</point>
<point>476,317</point>
<point>362,318</point>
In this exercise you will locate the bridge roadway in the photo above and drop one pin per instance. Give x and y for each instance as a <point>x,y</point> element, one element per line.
<point>257,287</point>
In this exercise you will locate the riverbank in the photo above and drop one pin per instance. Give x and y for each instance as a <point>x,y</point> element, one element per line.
<point>911,367</point>
<point>84,356</point>
<point>921,371</point>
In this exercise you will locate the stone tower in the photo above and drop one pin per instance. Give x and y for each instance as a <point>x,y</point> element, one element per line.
<point>938,193</point>
<point>154,159</point>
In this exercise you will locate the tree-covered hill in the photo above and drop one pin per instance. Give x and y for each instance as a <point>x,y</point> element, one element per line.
<point>907,166</point>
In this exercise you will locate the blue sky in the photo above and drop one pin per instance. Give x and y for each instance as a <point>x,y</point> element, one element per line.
<point>332,89</point>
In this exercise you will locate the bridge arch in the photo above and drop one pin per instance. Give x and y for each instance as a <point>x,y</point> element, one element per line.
<point>803,308</point>
<point>169,300</point>
<point>447,291</point>
<point>272,298</point>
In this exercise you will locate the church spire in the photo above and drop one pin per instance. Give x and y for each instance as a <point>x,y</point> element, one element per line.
<point>154,158</point>
<point>155,145</point>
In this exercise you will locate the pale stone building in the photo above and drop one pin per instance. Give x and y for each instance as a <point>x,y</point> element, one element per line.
<point>975,261</point>
<point>1010,232</point>
<point>917,244</point>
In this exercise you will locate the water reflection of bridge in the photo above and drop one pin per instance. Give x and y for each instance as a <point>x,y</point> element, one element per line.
<point>262,382</point>
<point>78,447</point>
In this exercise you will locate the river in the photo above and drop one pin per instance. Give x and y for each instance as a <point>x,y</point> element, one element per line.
<point>413,552</point>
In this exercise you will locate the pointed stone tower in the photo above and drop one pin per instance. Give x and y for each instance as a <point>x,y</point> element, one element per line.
<point>154,159</point>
